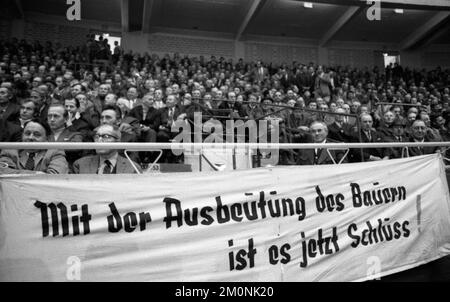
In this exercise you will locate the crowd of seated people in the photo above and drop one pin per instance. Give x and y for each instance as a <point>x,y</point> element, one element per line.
<point>52,89</point>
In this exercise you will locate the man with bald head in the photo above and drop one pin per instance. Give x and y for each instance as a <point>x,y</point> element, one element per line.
<point>368,135</point>
<point>318,134</point>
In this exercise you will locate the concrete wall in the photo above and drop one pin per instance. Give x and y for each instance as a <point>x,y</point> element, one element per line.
<point>269,49</point>
<point>171,43</point>
<point>287,50</point>
<point>66,35</point>
<point>5,29</point>
<point>44,28</point>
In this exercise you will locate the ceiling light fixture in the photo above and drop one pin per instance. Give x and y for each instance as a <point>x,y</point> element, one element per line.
<point>308,5</point>
<point>398,11</point>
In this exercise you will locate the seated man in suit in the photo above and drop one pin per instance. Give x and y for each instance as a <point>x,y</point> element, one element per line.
<point>319,135</point>
<point>132,98</point>
<point>252,110</point>
<point>168,117</point>
<point>387,124</point>
<point>88,112</point>
<point>105,161</point>
<point>419,135</point>
<point>47,161</point>
<point>8,110</point>
<point>398,136</point>
<point>28,111</point>
<point>339,130</point>
<point>112,115</point>
<point>129,127</point>
<point>368,135</point>
<point>148,117</point>
<point>75,121</point>
<point>57,118</point>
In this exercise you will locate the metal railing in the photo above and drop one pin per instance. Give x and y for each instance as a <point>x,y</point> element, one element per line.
<point>199,146</point>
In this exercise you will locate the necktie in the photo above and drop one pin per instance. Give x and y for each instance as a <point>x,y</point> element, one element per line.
<point>369,136</point>
<point>30,162</point>
<point>170,116</point>
<point>316,156</point>
<point>108,167</point>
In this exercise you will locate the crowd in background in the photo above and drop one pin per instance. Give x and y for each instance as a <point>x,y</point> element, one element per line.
<point>71,91</point>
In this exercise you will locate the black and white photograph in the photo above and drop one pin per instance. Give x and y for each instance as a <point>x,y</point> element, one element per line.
<point>224,147</point>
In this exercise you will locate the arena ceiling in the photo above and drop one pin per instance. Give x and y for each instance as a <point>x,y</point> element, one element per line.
<point>422,21</point>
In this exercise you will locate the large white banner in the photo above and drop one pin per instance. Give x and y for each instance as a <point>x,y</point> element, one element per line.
<point>349,222</point>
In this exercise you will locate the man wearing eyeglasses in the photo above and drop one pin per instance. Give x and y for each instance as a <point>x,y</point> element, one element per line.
<point>106,161</point>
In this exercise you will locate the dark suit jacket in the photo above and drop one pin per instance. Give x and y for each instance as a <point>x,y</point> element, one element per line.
<point>309,157</point>
<point>98,104</point>
<point>418,151</point>
<point>385,129</point>
<point>43,112</point>
<point>252,113</point>
<point>235,109</point>
<point>286,82</point>
<point>305,80</point>
<point>81,126</point>
<point>92,117</point>
<point>195,107</point>
<point>10,132</point>
<point>377,137</point>
<point>396,152</point>
<point>91,164</point>
<point>297,119</point>
<point>164,116</point>
<point>257,75</point>
<point>152,119</point>
<point>341,134</point>
<point>11,113</point>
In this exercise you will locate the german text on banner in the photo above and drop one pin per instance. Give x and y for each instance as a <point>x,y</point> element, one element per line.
<point>349,222</point>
